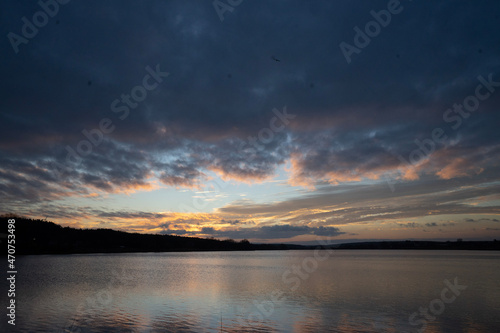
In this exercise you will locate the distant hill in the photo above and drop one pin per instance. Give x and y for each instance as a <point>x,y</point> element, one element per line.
<point>420,245</point>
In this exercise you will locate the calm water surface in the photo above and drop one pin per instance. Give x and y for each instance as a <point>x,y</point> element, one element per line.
<point>275,291</point>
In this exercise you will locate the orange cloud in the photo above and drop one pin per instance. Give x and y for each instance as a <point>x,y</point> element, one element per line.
<point>458,167</point>
<point>248,178</point>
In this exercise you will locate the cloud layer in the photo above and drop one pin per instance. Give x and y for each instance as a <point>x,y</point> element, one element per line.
<point>355,127</point>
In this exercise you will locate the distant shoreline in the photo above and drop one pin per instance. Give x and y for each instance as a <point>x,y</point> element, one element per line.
<point>37,237</point>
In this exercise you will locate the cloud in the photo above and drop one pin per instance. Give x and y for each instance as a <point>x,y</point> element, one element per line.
<point>354,123</point>
<point>207,230</point>
<point>354,203</point>
<point>280,231</point>
<point>236,222</point>
<point>482,220</point>
<point>411,225</point>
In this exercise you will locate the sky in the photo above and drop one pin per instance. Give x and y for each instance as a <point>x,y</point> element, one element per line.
<point>275,121</point>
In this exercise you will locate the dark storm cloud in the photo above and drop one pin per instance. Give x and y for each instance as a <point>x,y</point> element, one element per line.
<point>265,232</point>
<point>353,121</point>
<point>283,231</point>
<point>236,222</point>
<point>479,220</point>
<point>410,225</point>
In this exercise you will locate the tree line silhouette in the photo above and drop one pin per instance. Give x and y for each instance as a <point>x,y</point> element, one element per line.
<point>35,236</point>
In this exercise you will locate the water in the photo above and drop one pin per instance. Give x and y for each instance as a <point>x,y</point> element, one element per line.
<point>344,291</point>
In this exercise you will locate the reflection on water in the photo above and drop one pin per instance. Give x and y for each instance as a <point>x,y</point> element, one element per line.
<point>281,291</point>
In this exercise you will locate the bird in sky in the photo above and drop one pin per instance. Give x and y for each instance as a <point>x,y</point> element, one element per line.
<point>275,59</point>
